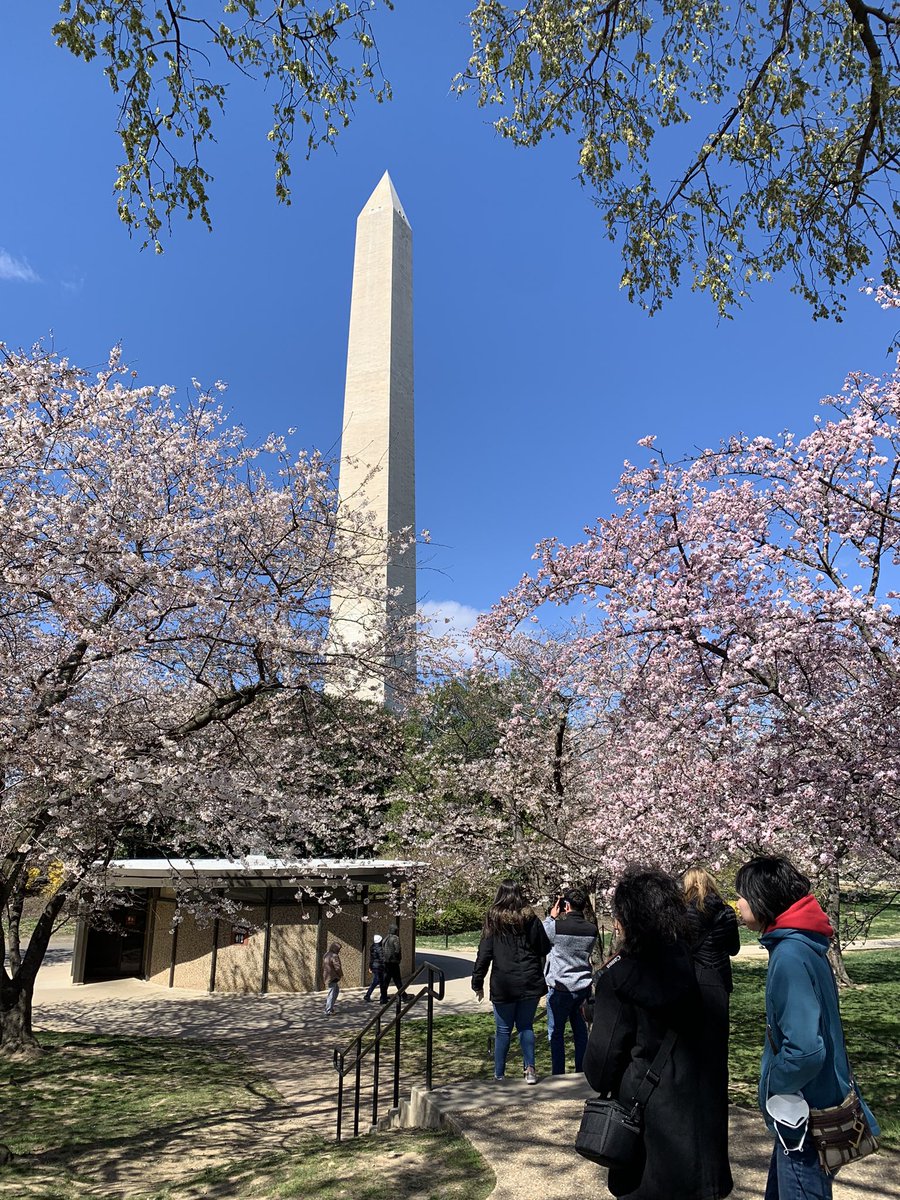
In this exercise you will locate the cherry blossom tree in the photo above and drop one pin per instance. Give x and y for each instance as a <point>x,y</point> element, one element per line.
<point>733,682</point>
<point>164,595</point>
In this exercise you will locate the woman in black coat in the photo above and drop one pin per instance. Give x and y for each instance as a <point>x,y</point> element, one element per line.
<point>648,988</point>
<point>513,944</point>
<point>713,924</point>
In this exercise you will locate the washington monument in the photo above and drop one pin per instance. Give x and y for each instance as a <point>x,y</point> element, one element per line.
<point>377,472</point>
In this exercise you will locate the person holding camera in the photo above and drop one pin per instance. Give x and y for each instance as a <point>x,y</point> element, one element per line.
<point>573,938</point>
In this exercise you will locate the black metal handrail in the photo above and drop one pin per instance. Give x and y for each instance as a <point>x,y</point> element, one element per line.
<point>350,1058</point>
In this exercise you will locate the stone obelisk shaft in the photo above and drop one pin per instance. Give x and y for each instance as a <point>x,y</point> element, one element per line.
<point>377,472</point>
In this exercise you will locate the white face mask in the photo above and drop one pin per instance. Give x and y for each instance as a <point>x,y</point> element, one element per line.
<point>790,1113</point>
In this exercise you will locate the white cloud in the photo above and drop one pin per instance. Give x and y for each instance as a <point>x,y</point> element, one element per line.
<point>450,619</point>
<point>449,614</point>
<point>16,270</point>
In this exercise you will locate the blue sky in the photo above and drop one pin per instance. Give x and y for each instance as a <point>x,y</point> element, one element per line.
<point>534,375</point>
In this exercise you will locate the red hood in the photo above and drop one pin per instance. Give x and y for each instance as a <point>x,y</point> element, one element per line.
<point>806,915</point>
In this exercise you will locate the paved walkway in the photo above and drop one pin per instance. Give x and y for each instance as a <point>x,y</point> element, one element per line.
<point>525,1133</point>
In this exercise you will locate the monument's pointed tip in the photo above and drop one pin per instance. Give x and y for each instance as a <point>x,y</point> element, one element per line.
<point>385,196</point>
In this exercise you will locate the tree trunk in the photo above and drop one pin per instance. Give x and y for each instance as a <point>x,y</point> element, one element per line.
<point>830,891</point>
<point>16,1036</point>
<point>17,989</point>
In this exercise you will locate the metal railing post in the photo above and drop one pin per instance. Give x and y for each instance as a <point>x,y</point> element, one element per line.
<point>358,1096</point>
<point>340,1094</point>
<point>376,1064</point>
<point>429,1032</point>
<point>397,1052</point>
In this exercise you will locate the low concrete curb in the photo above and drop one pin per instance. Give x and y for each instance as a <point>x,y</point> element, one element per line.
<point>440,1108</point>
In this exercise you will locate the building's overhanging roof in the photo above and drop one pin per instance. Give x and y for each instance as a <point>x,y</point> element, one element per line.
<point>254,871</point>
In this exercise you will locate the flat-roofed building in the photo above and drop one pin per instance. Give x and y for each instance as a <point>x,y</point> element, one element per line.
<point>283,914</point>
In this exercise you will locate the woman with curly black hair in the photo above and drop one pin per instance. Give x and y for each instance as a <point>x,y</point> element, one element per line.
<point>646,996</point>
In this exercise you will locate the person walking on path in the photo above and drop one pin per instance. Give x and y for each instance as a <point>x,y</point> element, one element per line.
<point>646,995</point>
<point>376,967</point>
<point>332,974</point>
<point>713,924</point>
<point>804,1052</point>
<point>513,946</point>
<point>573,938</point>
<point>392,952</point>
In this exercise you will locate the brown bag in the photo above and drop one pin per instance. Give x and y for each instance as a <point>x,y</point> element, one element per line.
<point>841,1133</point>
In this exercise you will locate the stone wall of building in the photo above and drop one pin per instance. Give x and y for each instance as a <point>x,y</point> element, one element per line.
<point>295,949</point>
<point>239,955</point>
<point>292,953</point>
<point>159,927</point>
<point>347,928</point>
<point>193,954</point>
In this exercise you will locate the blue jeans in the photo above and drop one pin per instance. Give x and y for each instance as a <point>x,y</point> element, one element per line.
<point>797,1176</point>
<point>565,1007</point>
<point>521,1014</point>
<point>378,981</point>
<point>333,989</point>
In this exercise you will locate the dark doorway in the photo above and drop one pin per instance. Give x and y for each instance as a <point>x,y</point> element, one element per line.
<point>117,950</point>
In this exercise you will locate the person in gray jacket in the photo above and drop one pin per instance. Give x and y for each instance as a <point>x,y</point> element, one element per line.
<point>573,938</point>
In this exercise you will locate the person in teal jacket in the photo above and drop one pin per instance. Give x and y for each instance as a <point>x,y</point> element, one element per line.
<point>804,1051</point>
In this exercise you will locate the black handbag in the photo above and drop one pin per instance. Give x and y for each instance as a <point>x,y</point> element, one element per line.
<point>611,1133</point>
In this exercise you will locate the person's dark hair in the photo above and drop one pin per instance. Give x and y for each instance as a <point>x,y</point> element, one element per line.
<point>510,908</point>
<point>649,906</point>
<point>770,884</point>
<point>576,898</point>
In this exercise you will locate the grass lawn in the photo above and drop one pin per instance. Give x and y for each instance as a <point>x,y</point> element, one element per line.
<point>86,1087</point>
<point>461,1047</point>
<point>91,1102</point>
<point>64,927</point>
<point>452,941</point>
<point>394,1166</point>
<point>885,923</point>
<point>871,1015</point>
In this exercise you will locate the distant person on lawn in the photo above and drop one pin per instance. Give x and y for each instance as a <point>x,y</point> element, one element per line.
<point>392,952</point>
<point>376,966</point>
<point>332,974</point>
<point>573,938</point>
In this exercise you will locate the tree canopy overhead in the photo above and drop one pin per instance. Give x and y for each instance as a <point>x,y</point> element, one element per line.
<point>723,144</point>
<point>787,155</point>
<point>169,64</point>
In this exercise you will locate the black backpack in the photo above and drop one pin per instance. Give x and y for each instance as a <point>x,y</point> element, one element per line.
<point>391,948</point>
